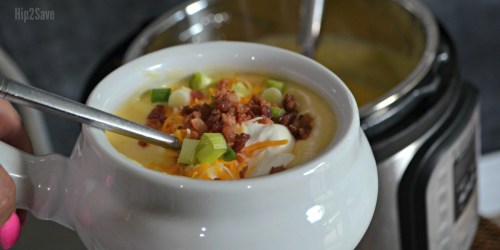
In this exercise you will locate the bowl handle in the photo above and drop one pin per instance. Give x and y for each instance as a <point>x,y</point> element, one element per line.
<point>40,185</point>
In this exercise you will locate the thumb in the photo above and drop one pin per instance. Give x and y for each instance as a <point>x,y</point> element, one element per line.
<point>9,222</point>
<point>9,232</point>
<point>7,196</point>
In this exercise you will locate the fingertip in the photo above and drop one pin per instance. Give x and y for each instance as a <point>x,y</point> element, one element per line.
<point>9,232</point>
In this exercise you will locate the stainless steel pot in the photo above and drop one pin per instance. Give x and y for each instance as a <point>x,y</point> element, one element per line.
<point>381,49</point>
<point>420,118</point>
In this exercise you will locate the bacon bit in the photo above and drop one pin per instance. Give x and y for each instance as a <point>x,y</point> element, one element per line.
<point>196,95</point>
<point>242,113</point>
<point>157,113</point>
<point>301,127</point>
<point>288,118</point>
<point>289,103</point>
<point>223,85</point>
<point>156,117</point>
<point>225,100</point>
<point>229,128</point>
<point>239,142</point>
<point>266,111</point>
<point>214,122</point>
<point>243,171</point>
<point>264,144</point>
<point>199,125</point>
<point>155,124</point>
<point>143,144</point>
<point>194,135</point>
<point>193,114</point>
<point>277,169</point>
<point>305,126</point>
<point>258,107</point>
<point>204,109</point>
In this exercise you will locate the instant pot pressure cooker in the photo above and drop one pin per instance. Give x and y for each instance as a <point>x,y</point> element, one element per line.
<point>421,119</point>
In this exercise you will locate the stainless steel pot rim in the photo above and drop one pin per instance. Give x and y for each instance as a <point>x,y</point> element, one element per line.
<point>421,69</point>
<point>160,24</point>
<point>416,8</point>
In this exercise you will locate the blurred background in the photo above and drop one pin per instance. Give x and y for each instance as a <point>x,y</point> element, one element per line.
<point>63,54</point>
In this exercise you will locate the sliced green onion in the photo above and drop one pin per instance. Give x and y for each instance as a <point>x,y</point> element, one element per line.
<point>160,95</point>
<point>229,155</point>
<point>272,95</point>
<point>180,98</point>
<point>200,81</point>
<point>275,84</point>
<point>240,89</point>
<point>277,112</point>
<point>211,147</point>
<point>188,151</point>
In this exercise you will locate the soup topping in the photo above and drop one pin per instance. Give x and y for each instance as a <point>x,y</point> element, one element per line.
<point>229,128</point>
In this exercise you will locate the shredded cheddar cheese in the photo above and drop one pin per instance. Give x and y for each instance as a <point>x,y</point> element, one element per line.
<point>264,144</point>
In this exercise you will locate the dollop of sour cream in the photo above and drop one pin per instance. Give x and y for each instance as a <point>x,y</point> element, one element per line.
<point>266,158</point>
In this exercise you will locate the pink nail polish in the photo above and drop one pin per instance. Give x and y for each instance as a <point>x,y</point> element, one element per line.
<point>9,232</point>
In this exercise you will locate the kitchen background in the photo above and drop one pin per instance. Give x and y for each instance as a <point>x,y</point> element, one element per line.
<point>61,55</point>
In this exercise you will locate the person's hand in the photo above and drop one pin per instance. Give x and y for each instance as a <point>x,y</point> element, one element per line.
<point>11,127</point>
<point>11,132</point>
<point>9,221</point>
<point>7,196</point>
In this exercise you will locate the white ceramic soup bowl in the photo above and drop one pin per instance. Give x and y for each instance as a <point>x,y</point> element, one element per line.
<point>114,203</point>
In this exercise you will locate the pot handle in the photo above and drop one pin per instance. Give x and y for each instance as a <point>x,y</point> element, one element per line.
<point>39,181</point>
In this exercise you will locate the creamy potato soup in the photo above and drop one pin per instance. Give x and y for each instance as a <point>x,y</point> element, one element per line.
<point>368,70</point>
<point>231,126</point>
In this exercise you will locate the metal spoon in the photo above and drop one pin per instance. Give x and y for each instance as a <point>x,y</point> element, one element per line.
<point>311,14</point>
<point>45,101</point>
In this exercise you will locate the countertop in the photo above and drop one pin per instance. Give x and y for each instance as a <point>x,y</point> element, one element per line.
<point>61,54</point>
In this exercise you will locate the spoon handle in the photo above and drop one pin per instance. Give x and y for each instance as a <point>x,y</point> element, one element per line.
<point>45,101</point>
<point>311,14</point>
